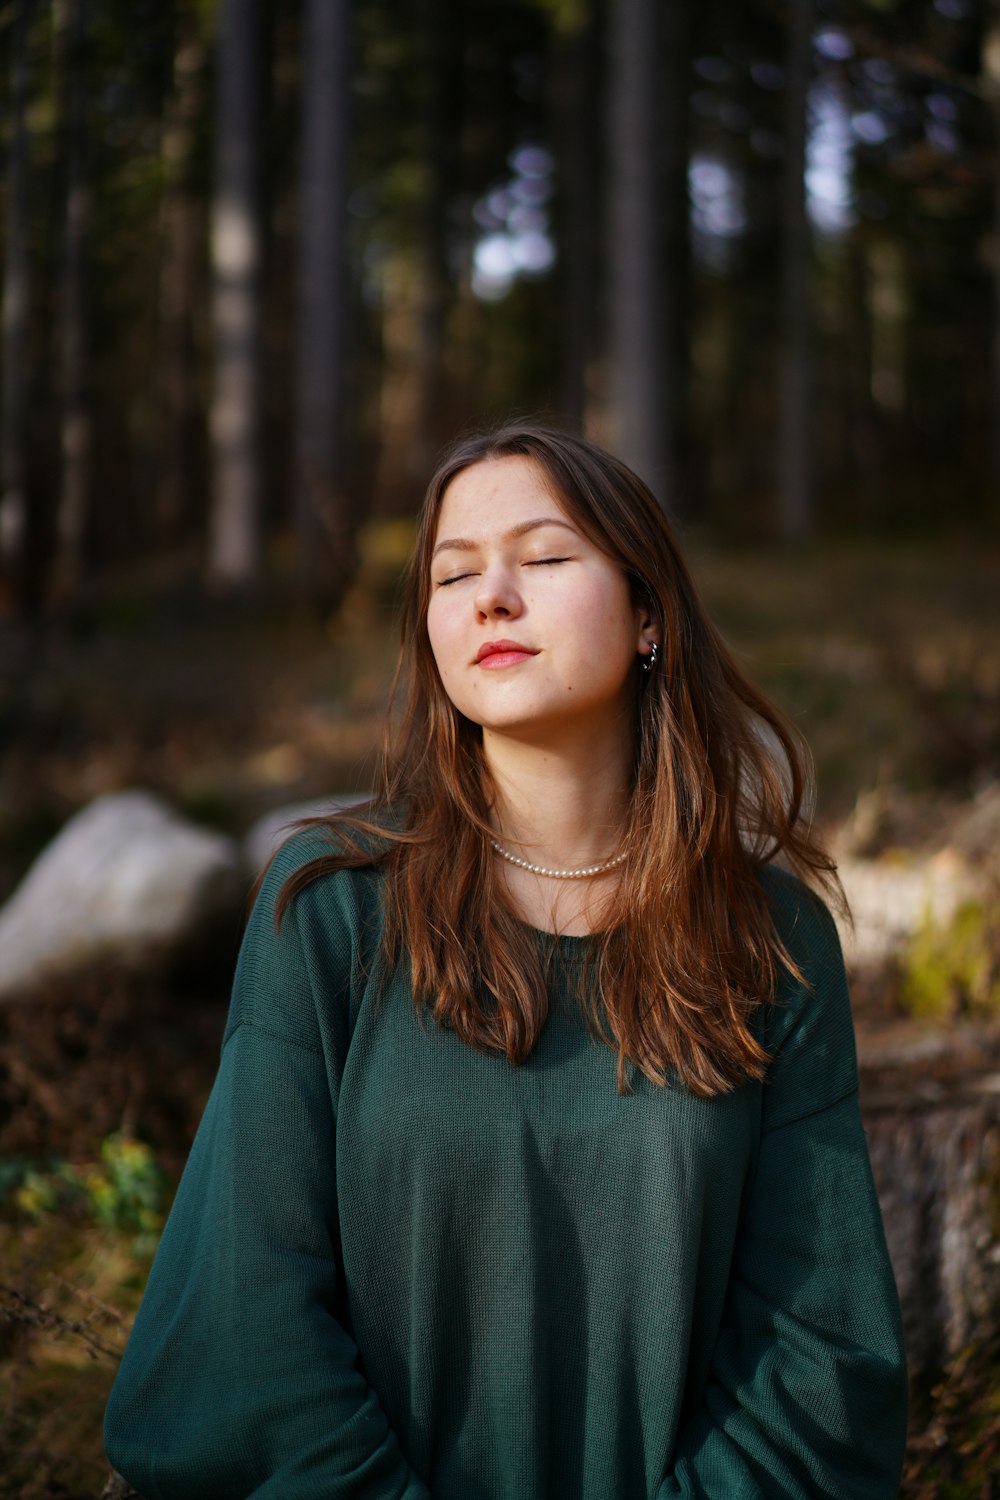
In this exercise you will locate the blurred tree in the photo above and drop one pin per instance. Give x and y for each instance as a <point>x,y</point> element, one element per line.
<point>590,207</point>
<point>674,160</point>
<point>796,498</point>
<point>580,184</point>
<point>641,422</point>
<point>442,87</point>
<point>181,285</point>
<point>503,327</point>
<point>326,521</point>
<point>991,80</point>
<point>735,87</point>
<point>924,164</point>
<point>71,21</point>
<point>14,520</point>
<point>235,539</point>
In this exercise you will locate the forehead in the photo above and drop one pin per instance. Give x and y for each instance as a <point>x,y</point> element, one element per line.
<point>494,494</point>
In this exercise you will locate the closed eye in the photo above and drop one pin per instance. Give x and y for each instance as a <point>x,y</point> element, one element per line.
<point>443,583</point>
<point>534,562</point>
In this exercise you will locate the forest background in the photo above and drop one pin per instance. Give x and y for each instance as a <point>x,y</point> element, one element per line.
<point>261,260</point>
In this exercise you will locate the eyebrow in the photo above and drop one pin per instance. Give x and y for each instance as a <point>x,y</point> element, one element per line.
<point>463,544</point>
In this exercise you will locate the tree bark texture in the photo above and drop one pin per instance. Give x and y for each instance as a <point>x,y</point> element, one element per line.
<point>934,1136</point>
<point>235,542</point>
<point>324,522</point>
<point>795,466</point>
<point>640,420</point>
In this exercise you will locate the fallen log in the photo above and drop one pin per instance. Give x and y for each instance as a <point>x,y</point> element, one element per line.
<point>931,1103</point>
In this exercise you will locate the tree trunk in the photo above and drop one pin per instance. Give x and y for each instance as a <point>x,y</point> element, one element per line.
<point>442,44</point>
<point>75,426</point>
<point>889,299</point>
<point>991,71</point>
<point>995,402</point>
<point>861,474</point>
<point>640,421</point>
<point>324,521</point>
<point>577,84</point>
<point>676,237</point>
<point>16,315</point>
<point>235,543</point>
<point>795,468</point>
<point>932,1117</point>
<point>181,236</point>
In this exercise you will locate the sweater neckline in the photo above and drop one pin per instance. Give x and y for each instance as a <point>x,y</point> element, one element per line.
<point>571,947</point>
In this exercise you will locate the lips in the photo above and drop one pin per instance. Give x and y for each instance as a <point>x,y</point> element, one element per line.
<point>498,652</point>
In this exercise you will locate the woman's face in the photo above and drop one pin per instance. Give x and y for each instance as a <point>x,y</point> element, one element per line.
<point>532,627</point>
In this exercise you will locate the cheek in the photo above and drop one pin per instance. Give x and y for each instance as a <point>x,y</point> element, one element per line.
<point>440,637</point>
<point>610,618</point>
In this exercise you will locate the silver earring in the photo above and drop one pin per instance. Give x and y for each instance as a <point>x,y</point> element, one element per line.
<point>649,662</point>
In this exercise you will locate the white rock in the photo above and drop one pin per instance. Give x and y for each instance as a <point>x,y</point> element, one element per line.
<point>125,877</point>
<point>891,899</point>
<point>976,832</point>
<point>271,831</point>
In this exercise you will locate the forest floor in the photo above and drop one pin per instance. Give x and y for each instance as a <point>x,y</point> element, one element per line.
<point>886,658</point>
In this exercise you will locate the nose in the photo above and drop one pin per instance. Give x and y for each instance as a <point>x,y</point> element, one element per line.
<point>497,596</point>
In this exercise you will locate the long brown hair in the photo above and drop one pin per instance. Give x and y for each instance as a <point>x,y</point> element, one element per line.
<point>688,949</point>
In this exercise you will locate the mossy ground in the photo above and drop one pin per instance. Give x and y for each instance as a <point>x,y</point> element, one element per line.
<point>101,1087</point>
<point>69,1290</point>
<point>953,968</point>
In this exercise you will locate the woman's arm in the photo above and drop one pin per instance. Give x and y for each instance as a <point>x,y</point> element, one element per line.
<point>807,1393</point>
<point>240,1378</point>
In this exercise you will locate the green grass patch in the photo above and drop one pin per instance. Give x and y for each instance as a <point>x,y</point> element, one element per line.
<point>954,968</point>
<point>68,1292</point>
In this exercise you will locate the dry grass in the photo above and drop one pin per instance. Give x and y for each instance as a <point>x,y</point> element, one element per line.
<point>69,1291</point>
<point>886,659</point>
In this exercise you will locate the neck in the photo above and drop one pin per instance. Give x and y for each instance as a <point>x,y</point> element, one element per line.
<point>563,808</point>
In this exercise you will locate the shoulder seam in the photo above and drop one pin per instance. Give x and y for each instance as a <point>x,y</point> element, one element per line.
<point>810,1113</point>
<point>277,1036</point>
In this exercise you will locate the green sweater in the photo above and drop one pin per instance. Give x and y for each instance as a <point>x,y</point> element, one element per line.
<point>397,1267</point>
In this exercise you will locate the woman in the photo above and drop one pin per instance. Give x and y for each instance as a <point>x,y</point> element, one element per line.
<point>534,1168</point>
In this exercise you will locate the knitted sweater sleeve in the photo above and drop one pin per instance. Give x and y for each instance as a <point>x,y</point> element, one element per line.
<point>240,1377</point>
<point>807,1394</point>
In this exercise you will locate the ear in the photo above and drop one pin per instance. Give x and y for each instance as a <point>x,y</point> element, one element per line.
<point>649,630</point>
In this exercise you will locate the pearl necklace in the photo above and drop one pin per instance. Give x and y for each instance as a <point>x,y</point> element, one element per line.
<point>583,874</point>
